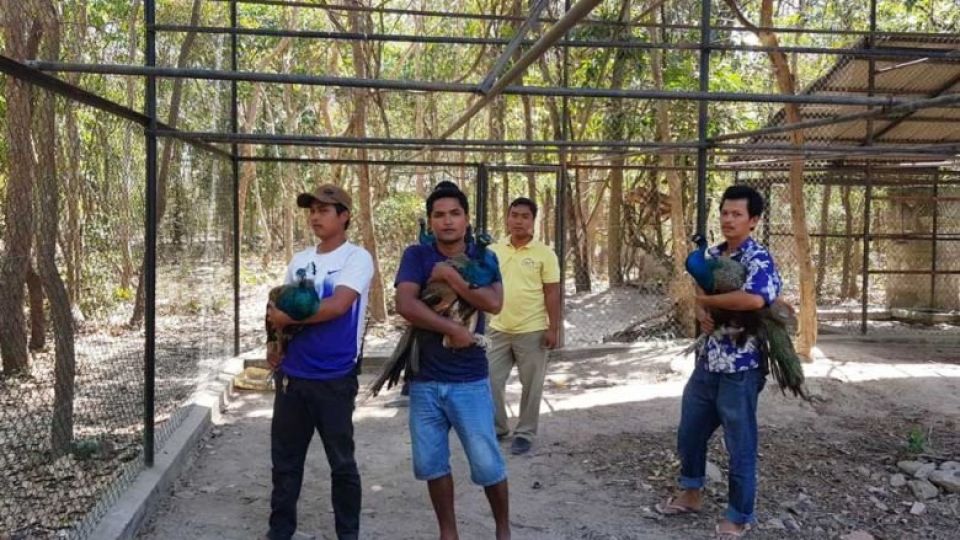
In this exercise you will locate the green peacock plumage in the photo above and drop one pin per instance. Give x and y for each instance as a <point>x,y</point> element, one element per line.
<point>299,301</point>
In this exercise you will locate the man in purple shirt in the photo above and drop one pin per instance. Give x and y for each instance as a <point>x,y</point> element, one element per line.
<point>452,387</point>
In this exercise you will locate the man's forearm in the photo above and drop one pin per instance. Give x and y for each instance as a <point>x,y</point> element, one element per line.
<point>553,303</point>
<point>482,298</point>
<point>420,315</point>
<point>732,301</point>
<point>327,312</point>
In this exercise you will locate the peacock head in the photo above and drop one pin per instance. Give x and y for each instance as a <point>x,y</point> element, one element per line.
<point>484,239</point>
<point>425,237</point>
<point>699,240</point>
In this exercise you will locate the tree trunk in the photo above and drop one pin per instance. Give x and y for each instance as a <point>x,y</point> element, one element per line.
<point>681,288</point>
<point>73,240</point>
<point>807,316</point>
<point>546,217</point>
<point>616,131</point>
<point>847,243</point>
<point>38,326</point>
<point>377,304</point>
<point>504,204</point>
<point>20,35</point>
<point>528,155</point>
<point>822,243</point>
<point>495,126</point>
<point>578,239</point>
<point>614,224</point>
<point>125,216</point>
<point>169,144</point>
<point>288,173</point>
<point>856,269</point>
<point>73,256</point>
<point>419,116</point>
<point>61,427</point>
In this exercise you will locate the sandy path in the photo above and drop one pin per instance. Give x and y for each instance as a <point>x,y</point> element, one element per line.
<point>575,484</point>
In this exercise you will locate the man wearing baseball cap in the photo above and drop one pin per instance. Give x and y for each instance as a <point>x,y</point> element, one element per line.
<point>316,377</point>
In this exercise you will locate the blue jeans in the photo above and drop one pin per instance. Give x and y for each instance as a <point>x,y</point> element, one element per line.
<point>711,400</point>
<point>435,407</point>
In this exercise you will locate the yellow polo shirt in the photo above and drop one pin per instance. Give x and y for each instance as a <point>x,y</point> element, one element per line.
<point>525,270</point>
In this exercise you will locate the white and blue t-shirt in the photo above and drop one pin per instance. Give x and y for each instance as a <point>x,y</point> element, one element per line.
<point>329,350</point>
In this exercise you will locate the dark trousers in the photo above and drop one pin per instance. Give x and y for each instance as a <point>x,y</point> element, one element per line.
<point>299,407</point>
<point>711,400</point>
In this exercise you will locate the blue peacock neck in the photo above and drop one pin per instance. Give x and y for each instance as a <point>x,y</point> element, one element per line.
<point>732,247</point>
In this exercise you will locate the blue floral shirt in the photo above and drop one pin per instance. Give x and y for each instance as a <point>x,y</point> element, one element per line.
<point>720,351</point>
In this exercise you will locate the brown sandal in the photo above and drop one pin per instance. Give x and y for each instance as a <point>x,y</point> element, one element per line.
<point>671,508</point>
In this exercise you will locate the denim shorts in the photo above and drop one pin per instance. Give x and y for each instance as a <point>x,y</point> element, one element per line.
<point>435,407</point>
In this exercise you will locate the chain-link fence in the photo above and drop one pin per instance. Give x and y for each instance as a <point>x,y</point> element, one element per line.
<point>72,383</point>
<point>910,249</point>
<point>621,281</point>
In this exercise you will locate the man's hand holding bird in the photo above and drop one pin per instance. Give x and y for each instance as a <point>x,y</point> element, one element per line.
<point>277,318</point>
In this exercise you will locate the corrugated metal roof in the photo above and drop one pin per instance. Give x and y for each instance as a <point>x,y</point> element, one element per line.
<point>902,78</point>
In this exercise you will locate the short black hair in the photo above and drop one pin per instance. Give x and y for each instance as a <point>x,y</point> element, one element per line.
<point>447,190</point>
<point>341,209</point>
<point>524,201</point>
<point>739,192</point>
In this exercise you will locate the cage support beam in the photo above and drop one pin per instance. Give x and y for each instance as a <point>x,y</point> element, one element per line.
<point>37,78</point>
<point>150,241</point>
<point>464,88</point>
<point>888,53</point>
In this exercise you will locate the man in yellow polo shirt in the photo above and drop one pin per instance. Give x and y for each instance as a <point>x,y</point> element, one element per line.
<point>528,325</point>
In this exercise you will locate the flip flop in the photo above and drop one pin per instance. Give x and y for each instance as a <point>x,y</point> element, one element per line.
<point>671,508</point>
<point>731,535</point>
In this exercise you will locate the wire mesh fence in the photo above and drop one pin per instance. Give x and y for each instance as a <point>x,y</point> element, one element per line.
<point>619,259</point>
<point>907,235</point>
<point>72,384</point>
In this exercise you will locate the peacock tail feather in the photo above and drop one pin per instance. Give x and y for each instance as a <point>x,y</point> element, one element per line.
<point>785,364</point>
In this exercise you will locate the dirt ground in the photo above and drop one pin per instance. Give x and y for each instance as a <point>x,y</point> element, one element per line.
<point>605,456</point>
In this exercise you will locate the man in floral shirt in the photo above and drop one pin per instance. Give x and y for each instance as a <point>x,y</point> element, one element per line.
<point>727,380</point>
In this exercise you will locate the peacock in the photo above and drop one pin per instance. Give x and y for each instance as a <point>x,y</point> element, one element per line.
<point>425,236</point>
<point>477,270</point>
<point>771,325</point>
<point>299,301</point>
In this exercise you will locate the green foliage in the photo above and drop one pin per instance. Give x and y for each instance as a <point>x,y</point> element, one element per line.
<point>397,227</point>
<point>123,294</point>
<point>199,190</point>
<point>916,440</point>
<point>250,278</point>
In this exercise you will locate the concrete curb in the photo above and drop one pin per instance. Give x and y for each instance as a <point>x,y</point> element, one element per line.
<point>139,501</point>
